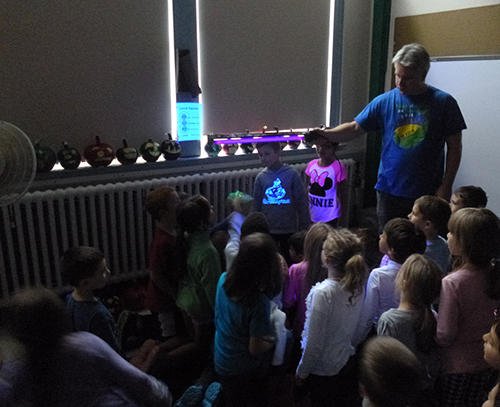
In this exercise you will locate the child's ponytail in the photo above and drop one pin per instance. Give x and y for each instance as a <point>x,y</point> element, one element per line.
<point>425,326</point>
<point>342,249</point>
<point>355,275</point>
<point>420,280</point>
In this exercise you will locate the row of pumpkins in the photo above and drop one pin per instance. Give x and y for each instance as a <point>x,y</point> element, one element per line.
<point>213,149</point>
<point>101,154</point>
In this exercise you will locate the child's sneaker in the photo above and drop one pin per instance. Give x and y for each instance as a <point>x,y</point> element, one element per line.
<point>191,398</point>
<point>212,395</point>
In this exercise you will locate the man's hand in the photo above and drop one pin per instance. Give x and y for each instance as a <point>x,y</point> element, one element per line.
<point>444,191</point>
<point>312,136</point>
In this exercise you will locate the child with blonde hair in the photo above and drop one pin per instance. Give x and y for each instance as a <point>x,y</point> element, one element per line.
<point>333,310</point>
<point>469,297</point>
<point>414,322</point>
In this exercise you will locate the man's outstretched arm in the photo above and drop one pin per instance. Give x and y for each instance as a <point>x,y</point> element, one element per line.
<point>344,132</point>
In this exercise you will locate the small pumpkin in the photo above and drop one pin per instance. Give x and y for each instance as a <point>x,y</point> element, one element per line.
<point>170,149</point>
<point>69,157</point>
<point>45,157</point>
<point>247,148</point>
<point>127,155</point>
<point>99,154</point>
<point>150,151</point>
<point>211,148</point>
<point>230,149</point>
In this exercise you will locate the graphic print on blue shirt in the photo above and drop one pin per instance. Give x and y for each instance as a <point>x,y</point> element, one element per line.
<point>275,194</point>
<point>320,183</point>
<point>411,126</point>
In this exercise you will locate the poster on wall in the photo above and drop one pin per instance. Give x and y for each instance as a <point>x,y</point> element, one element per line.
<point>189,121</point>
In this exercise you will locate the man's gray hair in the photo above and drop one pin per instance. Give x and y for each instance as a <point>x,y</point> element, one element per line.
<point>413,56</point>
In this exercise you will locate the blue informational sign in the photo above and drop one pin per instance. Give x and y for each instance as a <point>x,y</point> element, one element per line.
<point>189,119</point>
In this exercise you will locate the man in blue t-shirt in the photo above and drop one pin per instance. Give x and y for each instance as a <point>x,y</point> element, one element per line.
<point>417,121</point>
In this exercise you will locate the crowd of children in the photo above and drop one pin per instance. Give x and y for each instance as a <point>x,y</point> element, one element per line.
<point>403,330</point>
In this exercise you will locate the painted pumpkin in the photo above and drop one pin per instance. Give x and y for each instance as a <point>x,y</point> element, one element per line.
<point>230,149</point>
<point>127,155</point>
<point>170,149</point>
<point>247,148</point>
<point>211,148</point>
<point>68,157</point>
<point>99,154</point>
<point>45,157</point>
<point>150,151</point>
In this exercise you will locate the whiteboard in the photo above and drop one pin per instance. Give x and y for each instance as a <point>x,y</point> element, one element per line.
<point>475,84</point>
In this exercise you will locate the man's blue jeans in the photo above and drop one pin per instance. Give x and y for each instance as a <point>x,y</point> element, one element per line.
<point>390,207</point>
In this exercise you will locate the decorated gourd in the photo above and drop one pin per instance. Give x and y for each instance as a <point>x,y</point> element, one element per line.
<point>68,157</point>
<point>99,154</point>
<point>45,157</point>
<point>247,148</point>
<point>170,149</point>
<point>211,148</point>
<point>150,151</point>
<point>230,149</point>
<point>127,155</point>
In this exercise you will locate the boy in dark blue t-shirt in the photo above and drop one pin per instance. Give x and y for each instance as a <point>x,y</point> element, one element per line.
<point>85,269</point>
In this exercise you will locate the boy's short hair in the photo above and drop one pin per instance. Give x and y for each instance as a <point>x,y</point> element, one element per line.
<point>276,146</point>
<point>296,241</point>
<point>157,200</point>
<point>434,209</point>
<point>79,263</point>
<point>389,373</point>
<point>404,238</point>
<point>472,196</point>
<point>256,222</point>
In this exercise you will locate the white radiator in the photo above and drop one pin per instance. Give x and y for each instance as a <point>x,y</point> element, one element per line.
<point>35,231</point>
